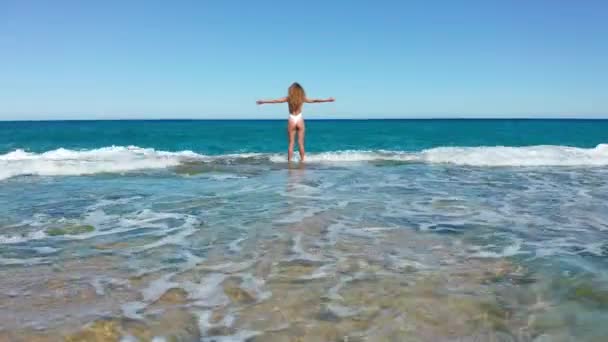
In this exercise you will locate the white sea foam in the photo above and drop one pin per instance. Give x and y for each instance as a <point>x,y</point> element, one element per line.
<point>157,287</point>
<point>209,292</point>
<point>13,239</point>
<point>129,338</point>
<point>45,250</point>
<point>106,224</point>
<point>13,261</point>
<point>256,286</point>
<point>133,309</point>
<point>547,155</point>
<point>321,272</point>
<point>221,177</point>
<point>351,156</point>
<point>174,239</point>
<point>117,159</point>
<point>240,336</point>
<point>299,252</point>
<point>342,311</point>
<point>508,251</point>
<point>205,324</point>
<point>234,246</point>
<point>99,283</point>
<point>542,155</point>
<point>64,162</point>
<point>229,267</point>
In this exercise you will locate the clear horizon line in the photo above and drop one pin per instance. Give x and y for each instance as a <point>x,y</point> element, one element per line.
<point>599,117</point>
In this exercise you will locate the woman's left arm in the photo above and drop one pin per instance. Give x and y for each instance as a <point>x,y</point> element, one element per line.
<point>331,99</point>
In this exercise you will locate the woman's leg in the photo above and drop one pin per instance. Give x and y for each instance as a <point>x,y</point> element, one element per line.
<point>301,134</point>
<point>291,136</point>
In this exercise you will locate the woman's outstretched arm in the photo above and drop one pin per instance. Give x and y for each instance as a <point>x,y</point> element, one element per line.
<point>281,100</point>
<point>331,99</point>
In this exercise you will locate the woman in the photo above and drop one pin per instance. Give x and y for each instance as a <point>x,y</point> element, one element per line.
<point>295,98</point>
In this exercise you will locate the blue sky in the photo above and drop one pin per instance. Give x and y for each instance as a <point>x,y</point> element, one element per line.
<point>213,59</point>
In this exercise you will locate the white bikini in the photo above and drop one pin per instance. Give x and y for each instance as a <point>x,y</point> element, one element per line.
<point>295,118</point>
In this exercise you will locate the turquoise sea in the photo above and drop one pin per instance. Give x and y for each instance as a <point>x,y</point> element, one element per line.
<point>393,230</point>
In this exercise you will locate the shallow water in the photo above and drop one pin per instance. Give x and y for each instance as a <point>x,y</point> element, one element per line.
<point>355,246</point>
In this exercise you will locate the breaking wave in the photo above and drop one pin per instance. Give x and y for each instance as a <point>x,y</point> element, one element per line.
<point>63,162</point>
<point>118,159</point>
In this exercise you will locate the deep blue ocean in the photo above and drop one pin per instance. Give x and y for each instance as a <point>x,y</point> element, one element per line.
<point>431,230</point>
<point>227,136</point>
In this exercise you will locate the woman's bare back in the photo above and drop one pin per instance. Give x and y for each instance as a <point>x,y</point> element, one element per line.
<point>295,121</point>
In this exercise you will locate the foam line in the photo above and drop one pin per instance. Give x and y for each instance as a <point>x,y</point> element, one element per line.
<point>118,159</point>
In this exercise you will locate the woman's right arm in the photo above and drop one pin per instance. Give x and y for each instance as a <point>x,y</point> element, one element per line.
<point>281,100</point>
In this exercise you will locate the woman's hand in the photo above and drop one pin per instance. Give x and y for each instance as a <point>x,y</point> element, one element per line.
<point>259,102</point>
<point>331,99</point>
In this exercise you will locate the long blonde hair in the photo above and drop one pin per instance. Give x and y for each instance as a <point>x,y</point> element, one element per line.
<point>295,98</point>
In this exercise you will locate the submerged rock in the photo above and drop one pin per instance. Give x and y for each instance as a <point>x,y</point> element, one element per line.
<point>173,296</point>
<point>327,315</point>
<point>113,245</point>
<point>584,290</point>
<point>237,294</point>
<point>111,330</point>
<point>324,332</point>
<point>290,271</point>
<point>548,321</point>
<point>172,325</point>
<point>102,330</point>
<point>28,336</point>
<point>590,294</point>
<point>176,325</point>
<point>70,230</point>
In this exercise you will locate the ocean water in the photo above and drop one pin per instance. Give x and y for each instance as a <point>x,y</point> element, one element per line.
<point>427,230</point>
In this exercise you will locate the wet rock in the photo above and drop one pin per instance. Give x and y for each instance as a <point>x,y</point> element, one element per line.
<point>176,325</point>
<point>325,332</point>
<point>425,308</point>
<point>98,331</point>
<point>173,296</point>
<point>112,330</point>
<point>291,270</point>
<point>56,284</point>
<point>237,294</point>
<point>62,292</point>
<point>87,293</point>
<point>493,272</point>
<point>142,279</point>
<point>290,304</point>
<point>137,329</point>
<point>322,333</point>
<point>493,315</point>
<point>28,336</point>
<point>172,325</point>
<point>218,315</point>
<point>263,268</point>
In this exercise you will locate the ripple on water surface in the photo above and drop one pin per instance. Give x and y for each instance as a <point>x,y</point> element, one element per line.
<point>364,252</point>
